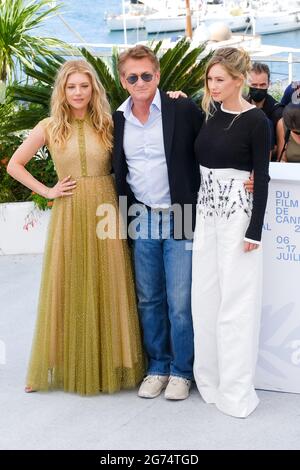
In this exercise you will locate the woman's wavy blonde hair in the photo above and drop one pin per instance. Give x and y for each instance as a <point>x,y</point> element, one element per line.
<point>98,108</point>
<point>235,61</point>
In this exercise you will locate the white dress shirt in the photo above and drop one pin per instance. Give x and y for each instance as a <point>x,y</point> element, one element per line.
<point>145,155</point>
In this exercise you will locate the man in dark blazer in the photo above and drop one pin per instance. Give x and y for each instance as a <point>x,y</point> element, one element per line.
<point>155,167</point>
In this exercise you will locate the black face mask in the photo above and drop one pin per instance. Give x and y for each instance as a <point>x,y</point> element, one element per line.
<point>257,94</point>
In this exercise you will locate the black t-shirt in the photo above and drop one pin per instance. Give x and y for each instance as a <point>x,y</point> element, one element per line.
<point>242,142</point>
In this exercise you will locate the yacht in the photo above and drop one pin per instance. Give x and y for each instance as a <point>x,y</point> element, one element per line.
<point>278,20</point>
<point>168,20</point>
<point>173,18</point>
<point>132,17</point>
<point>263,16</point>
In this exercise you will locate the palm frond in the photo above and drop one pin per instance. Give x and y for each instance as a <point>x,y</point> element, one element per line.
<point>44,69</point>
<point>108,76</point>
<point>18,46</point>
<point>100,67</point>
<point>171,58</point>
<point>121,93</point>
<point>23,119</point>
<point>31,94</point>
<point>157,47</point>
<point>189,74</point>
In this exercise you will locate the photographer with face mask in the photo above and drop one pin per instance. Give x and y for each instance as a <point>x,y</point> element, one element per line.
<point>289,134</point>
<point>259,81</point>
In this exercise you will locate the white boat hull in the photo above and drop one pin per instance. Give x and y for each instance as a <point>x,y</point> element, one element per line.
<point>277,23</point>
<point>157,24</point>
<point>235,23</point>
<point>132,22</point>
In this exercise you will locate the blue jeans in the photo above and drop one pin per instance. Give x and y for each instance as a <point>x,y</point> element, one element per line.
<point>163,268</point>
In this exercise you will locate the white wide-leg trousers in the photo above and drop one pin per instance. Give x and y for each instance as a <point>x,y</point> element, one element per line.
<point>226,294</point>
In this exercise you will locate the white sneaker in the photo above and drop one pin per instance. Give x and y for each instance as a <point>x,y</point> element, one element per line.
<point>178,388</point>
<point>152,386</point>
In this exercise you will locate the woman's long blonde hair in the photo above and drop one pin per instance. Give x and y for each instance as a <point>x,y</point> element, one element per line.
<point>61,115</point>
<point>235,61</point>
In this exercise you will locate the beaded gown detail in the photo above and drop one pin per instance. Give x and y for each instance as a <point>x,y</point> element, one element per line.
<point>87,337</point>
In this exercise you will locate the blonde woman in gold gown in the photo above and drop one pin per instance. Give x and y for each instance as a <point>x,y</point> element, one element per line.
<point>87,337</point>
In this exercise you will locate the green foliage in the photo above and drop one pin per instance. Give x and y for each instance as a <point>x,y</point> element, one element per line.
<point>18,46</point>
<point>41,167</point>
<point>37,96</point>
<point>40,201</point>
<point>276,90</point>
<point>108,75</point>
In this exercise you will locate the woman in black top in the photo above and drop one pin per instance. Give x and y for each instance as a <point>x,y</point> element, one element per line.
<point>227,256</point>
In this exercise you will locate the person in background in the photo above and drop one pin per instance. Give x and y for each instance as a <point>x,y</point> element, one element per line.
<point>259,82</point>
<point>289,134</point>
<point>87,337</point>
<point>291,94</point>
<point>227,252</point>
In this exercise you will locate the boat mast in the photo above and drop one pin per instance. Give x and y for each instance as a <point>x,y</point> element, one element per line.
<point>124,22</point>
<point>188,31</point>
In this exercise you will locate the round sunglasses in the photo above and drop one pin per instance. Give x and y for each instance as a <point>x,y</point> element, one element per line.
<point>145,76</point>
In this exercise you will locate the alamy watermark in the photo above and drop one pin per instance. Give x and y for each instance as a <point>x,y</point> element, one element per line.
<point>139,221</point>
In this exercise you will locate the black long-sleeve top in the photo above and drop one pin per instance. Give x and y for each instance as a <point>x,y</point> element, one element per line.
<point>242,142</point>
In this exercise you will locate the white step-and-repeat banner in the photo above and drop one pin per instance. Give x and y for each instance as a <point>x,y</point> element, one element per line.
<point>278,365</point>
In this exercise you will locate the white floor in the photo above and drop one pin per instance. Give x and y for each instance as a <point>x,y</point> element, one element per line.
<point>123,421</point>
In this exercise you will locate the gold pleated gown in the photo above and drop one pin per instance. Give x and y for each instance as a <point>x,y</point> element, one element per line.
<point>87,337</point>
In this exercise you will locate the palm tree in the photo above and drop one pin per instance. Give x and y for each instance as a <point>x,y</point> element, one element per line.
<point>17,46</point>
